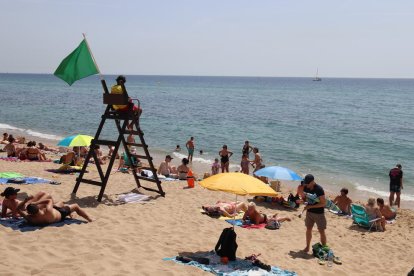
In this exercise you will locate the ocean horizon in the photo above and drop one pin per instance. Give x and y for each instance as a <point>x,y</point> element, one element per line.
<point>347,132</point>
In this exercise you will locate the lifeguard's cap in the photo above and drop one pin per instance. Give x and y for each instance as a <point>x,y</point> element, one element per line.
<point>121,78</point>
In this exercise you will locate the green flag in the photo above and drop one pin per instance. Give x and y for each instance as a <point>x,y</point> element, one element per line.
<point>77,65</point>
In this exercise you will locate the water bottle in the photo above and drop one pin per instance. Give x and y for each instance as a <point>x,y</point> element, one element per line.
<point>330,258</point>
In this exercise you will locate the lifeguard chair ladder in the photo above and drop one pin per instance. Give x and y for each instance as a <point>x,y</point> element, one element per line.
<point>121,121</point>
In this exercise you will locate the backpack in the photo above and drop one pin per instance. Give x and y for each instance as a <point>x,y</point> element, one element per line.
<point>227,245</point>
<point>320,251</point>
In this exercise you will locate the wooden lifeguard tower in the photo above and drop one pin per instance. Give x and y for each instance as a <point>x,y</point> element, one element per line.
<point>121,119</point>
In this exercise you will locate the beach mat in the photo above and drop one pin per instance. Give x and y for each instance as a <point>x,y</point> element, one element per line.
<point>239,222</point>
<point>15,159</point>
<point>10,175</point>
<point>238,267</point>
<point>133,198</point>
<point>27,180</point>
<point>22,225</point>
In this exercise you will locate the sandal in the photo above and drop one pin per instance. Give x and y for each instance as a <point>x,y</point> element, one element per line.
<point>337,260</point>
<point>321,262</point>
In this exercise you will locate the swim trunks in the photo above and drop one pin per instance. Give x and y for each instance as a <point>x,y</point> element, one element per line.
<point>395,188</point>
<point>190,151</point>
<point>64,211</point>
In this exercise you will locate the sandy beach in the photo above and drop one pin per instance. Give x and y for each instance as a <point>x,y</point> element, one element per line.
<point>132,239</point>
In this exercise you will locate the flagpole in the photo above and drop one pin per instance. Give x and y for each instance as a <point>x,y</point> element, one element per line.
<point>93,58</point>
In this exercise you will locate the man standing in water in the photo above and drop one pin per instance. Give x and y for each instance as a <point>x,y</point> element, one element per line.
<point>314,209</point>
<point>190,147</point>
<point>396,184</point>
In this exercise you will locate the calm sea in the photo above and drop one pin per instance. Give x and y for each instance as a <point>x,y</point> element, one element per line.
<point>347,132</point>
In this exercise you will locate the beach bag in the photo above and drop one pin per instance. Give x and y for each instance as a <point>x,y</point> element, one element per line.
<point>319,251</point>
<point>227,245</point>
<point>272,225</point>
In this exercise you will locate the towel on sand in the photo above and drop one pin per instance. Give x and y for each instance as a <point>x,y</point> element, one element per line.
<point>238,267</point>
<point>22,225</point>
<point>133,198</point>
<point>15,159</point>
<point>10,175</point>
<point>27,180</point>
<point>239,222</point>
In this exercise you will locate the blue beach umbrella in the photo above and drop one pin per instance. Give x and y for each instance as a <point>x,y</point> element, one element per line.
<point>78,140</point>
<point>280,173</point>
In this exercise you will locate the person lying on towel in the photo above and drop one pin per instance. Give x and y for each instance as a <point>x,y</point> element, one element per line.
<point>253,216</point>
<point>226,208</point>
<point>45,212</point>
<point>10,202</point>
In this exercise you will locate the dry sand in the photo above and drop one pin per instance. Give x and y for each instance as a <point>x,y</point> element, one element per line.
<point>132,239</point>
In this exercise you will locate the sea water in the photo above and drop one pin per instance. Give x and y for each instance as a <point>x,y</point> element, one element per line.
<point>347,132</point>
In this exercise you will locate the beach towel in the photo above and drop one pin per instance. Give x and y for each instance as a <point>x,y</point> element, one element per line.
<point>133,198</point>
<point>239,222</point>
<point>25,180</point>
<point>238,267</point>
<point>21,225</point>
<point>16,159</point>
<point>10,175</point>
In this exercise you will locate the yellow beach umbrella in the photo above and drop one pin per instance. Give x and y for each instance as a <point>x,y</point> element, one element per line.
<point>238,184</point>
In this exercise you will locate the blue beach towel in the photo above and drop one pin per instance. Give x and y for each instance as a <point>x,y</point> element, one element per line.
<point>22,226</point>
<point>237,268</point>
<point>27,180</point>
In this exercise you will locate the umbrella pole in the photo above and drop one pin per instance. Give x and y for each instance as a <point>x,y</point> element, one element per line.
<point>234,214</point>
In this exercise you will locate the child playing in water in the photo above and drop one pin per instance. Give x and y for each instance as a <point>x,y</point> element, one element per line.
<point>215,168</point>
<point>244,164</point>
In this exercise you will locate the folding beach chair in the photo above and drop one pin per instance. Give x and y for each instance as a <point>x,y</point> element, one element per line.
<point>361,218</point>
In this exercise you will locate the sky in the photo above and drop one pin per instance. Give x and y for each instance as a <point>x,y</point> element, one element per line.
<point>275,38</point>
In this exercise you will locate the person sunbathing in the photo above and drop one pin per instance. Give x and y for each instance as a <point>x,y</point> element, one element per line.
<point>69,159</point>
<point>343,202</point>
<point>5,138</point>
<point>255,217</point>
<point>386,210</point>
<point>226,208</point>
<point>33,153</point>
<point>374,212</point>
<point>10,203</point>
<point>42,146</point>
<point>44,212</point>
<point>10,148</point>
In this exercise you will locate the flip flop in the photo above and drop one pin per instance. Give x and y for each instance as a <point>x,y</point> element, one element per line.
<point>321,262</point>
<point>337,260</point>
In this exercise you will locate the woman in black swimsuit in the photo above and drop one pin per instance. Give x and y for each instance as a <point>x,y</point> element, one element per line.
<point>225,159</point>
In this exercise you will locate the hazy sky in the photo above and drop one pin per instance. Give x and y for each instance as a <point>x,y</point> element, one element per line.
<point>343,38</point>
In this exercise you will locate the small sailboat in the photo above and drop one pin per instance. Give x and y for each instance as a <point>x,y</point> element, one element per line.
<point>317,78</point>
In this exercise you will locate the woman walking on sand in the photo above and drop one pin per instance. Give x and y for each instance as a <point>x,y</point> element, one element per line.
<point>225,158</point>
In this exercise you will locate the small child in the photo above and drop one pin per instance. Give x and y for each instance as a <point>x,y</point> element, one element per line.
<point>215,168</point>
<point>10,202</point>
<point>178,148</point>
<point>244,164</point>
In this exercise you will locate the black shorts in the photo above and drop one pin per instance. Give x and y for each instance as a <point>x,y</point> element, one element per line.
<point>395,188</point>
<point>64,211</point>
